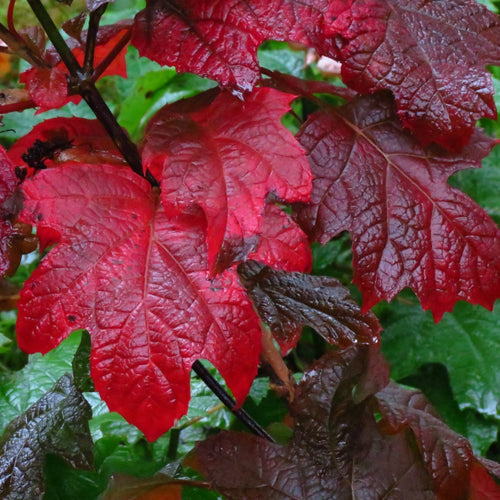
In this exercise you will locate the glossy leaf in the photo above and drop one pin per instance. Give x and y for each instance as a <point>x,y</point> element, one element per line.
<point>430,54</point>
<point>410,453</point>
<point>434,50</point>
<point>68,140</point>
<point>409,228</point>
<point>281,242</point>
<point>447,455</point>
<point>226,157</point>
<point>137,281</point>
<point>468,340</point>
<point>224,37</point>
<point>23,388</point>
<point>287,302</point>
<point>335,439</point>
<point>57,423</point>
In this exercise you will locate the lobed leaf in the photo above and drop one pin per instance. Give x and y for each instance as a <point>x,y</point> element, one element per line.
<point>137,281</point>
<point>430,54</point>
<point>409,228</point>
<point>224,38</point>
<point>338,450</point>
<point>57,423</point>
<point>287,302</point>
<point>227,158</point>
<point>335,439</point>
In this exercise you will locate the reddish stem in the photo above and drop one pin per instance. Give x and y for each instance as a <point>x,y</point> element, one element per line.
<point>101,68</point>
<point>10,18</point>
<point>17,106</point>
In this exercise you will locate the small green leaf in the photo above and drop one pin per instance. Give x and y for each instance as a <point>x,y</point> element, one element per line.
<point>81,365</point>
<point>278,56</point>
<point>64,482</point>
<point>21,389</point>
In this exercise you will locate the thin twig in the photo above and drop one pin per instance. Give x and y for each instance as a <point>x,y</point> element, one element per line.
<point>79,84</point>
<point>95,17</point>
<point>220,392</point>
<point>110,57</point>
<point>55,37</point>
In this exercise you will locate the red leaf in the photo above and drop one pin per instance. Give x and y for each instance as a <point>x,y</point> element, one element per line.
<point>137,280</point>
<point>221,41</point>
<point>447,455</point>
<point>430,54</point>
<point>226,158</point>
<point>15,238</point>
<point>482,486</point>
<point>282,244</point>
<point>87,142</point>
<point>409,228</point>
<point>49,87</point>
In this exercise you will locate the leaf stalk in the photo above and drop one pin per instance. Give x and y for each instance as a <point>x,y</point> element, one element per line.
<point>229,402</point>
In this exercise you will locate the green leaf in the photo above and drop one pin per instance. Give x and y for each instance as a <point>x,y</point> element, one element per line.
<point>149,89</point>
<point>483,185</point>
<point>466,342</point>
<point>81,365</point>
<point>64,482</point>
<point>278,56</point>
<point>21,389</point>
<point>57,423</point>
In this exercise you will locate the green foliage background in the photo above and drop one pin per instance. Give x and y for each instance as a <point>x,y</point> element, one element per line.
<point>456,362</point>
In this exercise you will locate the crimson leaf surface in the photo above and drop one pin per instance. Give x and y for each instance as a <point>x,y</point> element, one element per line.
<point>431,54</point>
<point>48,87</point>
<point>137,280</point>
<point>226,157</point>
<point>224,38</point>
<point>409,228</point>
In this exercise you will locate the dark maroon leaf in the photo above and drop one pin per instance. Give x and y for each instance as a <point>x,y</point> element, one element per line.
<point>337,450</point>
<point>57,423</point>
<point>16,238</point>
<point>448,456</point>
<point>409,228</point>
<point>431,54</point>
<point>287,302</point>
